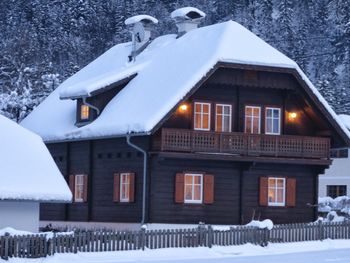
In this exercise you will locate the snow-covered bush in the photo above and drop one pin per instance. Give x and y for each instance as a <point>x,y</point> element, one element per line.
<point>340,204</point>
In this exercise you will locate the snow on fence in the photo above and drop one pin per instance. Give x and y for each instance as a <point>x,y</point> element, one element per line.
<point>35,246</point>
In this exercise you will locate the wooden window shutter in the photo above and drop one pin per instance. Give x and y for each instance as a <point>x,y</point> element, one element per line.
<point>180,188</point>
<point>72,185</point>
<point>291,192</point>
<point>263,187</point>
<point>116,188</point>
<point>208,189</point>
<point>132,187</point>
<point>85,194</point>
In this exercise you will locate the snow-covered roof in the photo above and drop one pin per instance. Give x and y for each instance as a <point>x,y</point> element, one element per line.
<point>27,170</point>
<point>346,120</point>
<point>139,18</point>
<point>184,11</point>
<point>166,71</point>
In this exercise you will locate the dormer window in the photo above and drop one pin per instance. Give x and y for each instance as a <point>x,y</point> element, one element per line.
<point>84,112</point>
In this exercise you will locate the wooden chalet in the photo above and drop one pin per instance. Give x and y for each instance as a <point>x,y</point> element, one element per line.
<point>246,137</point>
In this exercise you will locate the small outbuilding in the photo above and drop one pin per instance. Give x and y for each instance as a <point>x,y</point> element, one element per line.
<point>28,177</point>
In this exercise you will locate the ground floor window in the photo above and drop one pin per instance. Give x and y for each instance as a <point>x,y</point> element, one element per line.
<point>193,188</point>
<point>78,186</point>
<point>336,190</point>
<point>276,191</point>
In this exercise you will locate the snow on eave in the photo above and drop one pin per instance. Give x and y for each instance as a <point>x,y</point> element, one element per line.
<point>345,119</point>
<point>182,12</point>
<point>139,18</point>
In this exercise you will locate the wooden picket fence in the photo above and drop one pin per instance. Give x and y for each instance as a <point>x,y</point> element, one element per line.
<point>35,246</point>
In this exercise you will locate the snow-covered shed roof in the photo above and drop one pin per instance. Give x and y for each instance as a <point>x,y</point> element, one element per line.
<point>166,71</point>
<point>27,170</point>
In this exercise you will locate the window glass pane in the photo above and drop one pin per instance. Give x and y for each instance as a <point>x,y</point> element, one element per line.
<point>280,182</point>
<point>197,121</point>
<point>197,179</point>
<point>268,113</point>
<point>248,111</point>
<point>272,182</point>
<point>188,192</point>
<point>205,121</point>
<point>279,196</point>
<point>256,112</point>
<point>188,179</point>
<point>227,110</point>
<point>248,125</point>
<point>256,125</point>
<point>276,113</point>
<point>276,126</point>
<point>226,126</point>
<point>268,126</point>
<point>197,192</point>
<point>205,108</point>
<point>271,195</point>
<point>218,109</point>
<point>197,107</point>
<point>219,123</point>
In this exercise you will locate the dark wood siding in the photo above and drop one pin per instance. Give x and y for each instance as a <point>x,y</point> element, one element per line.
<point>224,210</point>
<point>99,159</point>
<point>306,189</point>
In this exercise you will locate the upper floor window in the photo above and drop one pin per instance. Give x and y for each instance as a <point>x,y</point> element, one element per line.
<point>276,191</point>
<point>252,119</point>
<point>193,188</point>
<point>223,118</point>
<point>84,112</point>
<point>78,186</point>
<point>202,116</point>
<point>272,120</point>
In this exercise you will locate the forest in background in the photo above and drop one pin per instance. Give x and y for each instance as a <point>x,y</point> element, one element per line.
<point>42,42</point>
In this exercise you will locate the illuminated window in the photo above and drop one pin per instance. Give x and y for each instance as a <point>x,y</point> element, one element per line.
<point>223,118</point>
<point>252,119</point>
<point>79,188</point>
<point>273,121</point>
<point>124,187</point>
<point>84,112</point>
<point>193,188</point>
<point>276,191</point>
<point>202,116</point>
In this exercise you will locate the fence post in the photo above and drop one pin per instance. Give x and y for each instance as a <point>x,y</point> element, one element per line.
<point>210,236</point>
<point>320,230</point>
<point>143,238</point>
<point>6,247</point>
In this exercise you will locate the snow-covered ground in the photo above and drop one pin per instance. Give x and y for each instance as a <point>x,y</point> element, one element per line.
<point>301,252</point>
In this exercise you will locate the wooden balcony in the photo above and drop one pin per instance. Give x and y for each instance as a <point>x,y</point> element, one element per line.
<point>179,140</point>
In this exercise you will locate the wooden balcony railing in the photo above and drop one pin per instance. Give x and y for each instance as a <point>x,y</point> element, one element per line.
<point>179,140</point>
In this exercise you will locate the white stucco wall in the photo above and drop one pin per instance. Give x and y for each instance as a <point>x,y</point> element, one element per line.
<point>20,215</point>
<point>337,174</point>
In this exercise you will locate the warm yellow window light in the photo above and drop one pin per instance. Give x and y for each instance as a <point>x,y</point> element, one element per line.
<point>183,107</point>
<point>84,112</point>
<point>292,116</point>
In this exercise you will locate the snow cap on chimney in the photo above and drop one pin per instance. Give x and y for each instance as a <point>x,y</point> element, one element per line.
<point>187,19</point>
<point>141,29</point>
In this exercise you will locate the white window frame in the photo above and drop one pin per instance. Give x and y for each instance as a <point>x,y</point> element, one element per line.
<point>193,201</point>
<point>252,119</point>
<point>275,189</point>
<point>127,184</point>
<point>223,115</point>
<point>272,119</point>
<point>81,112</point>
<point>79,181</point>
<point>201,115</point>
